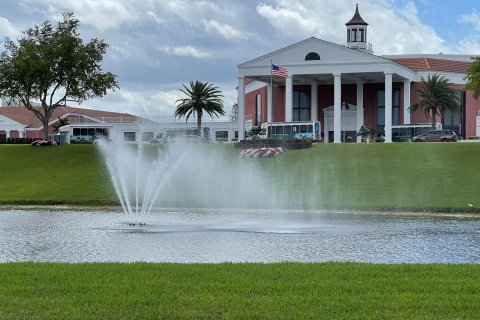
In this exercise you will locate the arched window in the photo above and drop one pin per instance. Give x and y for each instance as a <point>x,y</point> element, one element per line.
<point>312,56</point>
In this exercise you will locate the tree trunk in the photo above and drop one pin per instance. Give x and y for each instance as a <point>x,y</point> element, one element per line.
<point>45,129</point>
<point>434,115</point>
<point>199,125</point>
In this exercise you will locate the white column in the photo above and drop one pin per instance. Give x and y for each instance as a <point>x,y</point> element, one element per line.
<point>20,133</point>
<point>269,103</point>
<point>7,132</point>
<point>288,99</point>
<point>314,101</point>
<point>337,108</point>
<point>406,101</point>
<point>360,120</point>
<point>388,107</point>
<point>241,108</point>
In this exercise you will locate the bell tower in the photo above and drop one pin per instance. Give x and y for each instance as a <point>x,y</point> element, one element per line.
<point>357,33</point>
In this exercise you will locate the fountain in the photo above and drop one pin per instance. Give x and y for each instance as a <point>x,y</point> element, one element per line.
<point>183,174</point>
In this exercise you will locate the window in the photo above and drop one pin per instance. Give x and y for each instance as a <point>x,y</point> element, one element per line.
<point>361,34</point>
<point>221,135</point>
<point>301,106</point>
<point>381,108</point>
<point>354,35</point>
<point>258,110</point>
<point>348,35</point>
<point>76,131</point>
<point>312,56</point>
<point>129,136</point>
<point>456,121</point>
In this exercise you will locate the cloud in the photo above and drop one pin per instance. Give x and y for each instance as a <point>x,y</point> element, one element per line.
<point>392,30</point>
<point>185,51</point>
<point>7,29</point>
<point>473,18</point>
<point>103,15</point>
<point>226,31</point>
<point>470,43</point>
<point>154,103</point>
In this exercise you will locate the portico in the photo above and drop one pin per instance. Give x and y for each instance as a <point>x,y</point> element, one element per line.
<point>336,65</point>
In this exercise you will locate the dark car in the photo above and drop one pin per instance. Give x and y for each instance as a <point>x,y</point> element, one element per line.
<point>437,136</point>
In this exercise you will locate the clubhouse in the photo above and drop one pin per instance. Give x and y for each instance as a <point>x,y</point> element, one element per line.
<point>348,86</point>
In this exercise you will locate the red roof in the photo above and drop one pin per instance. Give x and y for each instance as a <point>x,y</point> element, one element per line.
<point>432,64</point>
<point>26,117</point>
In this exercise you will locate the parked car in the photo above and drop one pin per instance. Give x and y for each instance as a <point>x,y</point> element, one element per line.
<point>437,136</point>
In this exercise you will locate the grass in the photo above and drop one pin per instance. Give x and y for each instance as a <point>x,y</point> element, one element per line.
<point>239,291</point>
<point>431,176</point>
<point>398,176</point>
<point>72,174</point>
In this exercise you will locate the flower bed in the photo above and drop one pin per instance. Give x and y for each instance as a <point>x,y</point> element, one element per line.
<point>43,143</point>
<point>261,152</point>
<point>274,143</point>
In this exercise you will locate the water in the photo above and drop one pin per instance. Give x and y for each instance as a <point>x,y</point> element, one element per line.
<point>214,235</point>
<point>184,174</point>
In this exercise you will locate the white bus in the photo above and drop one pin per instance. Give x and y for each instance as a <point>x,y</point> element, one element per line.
<point>296,130</point>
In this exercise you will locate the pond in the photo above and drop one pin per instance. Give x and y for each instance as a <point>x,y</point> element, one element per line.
<point>214,235</point>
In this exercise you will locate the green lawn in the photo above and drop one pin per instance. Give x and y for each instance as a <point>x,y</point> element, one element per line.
<point>239,291</point>
<point>438,176</point>
<point>72,174</point>
<point>430,176</point>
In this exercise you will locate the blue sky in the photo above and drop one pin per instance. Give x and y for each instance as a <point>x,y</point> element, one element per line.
<point>156,45</point>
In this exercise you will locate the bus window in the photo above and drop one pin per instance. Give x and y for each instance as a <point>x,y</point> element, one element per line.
<point>303,128</point>
<point>279,130</point>
<point>309,128</point>
<point>295,128</point>
<point>287,129</point>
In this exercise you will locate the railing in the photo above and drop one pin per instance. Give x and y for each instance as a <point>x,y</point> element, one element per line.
<point>145,119</point>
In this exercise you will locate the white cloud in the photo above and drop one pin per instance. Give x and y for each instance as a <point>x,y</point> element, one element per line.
<point>392,30</point>
<point>470,43</point>
<point>7,29</point>
<point>103,15</point>
<point>153,103</point>
<point>226,31</point>
<point>473,18</point>
<point>185,51</point>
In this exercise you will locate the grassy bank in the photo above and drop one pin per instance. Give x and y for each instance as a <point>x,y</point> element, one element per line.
<point>239,291</point>
<point>67,174</point>
<point>432,176</point>
<point>403,176</point>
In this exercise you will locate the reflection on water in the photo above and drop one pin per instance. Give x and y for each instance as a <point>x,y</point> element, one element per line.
<point>196,235</point>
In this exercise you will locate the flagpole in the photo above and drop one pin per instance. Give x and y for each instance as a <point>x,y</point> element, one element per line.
<point>271,91</point>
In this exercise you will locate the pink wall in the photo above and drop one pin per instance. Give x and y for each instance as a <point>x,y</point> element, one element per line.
<point>250,100</point>
<point>473,105</point>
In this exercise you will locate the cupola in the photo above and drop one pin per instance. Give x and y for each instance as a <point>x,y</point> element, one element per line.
<point>357,33</point>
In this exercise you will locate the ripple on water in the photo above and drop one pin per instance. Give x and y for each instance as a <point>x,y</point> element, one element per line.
<point>236,235</point>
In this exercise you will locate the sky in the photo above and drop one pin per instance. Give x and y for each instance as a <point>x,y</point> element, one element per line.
<point>156,46</point>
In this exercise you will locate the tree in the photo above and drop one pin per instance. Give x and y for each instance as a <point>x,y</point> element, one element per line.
<point>52,65</point>
<point>60,123</point>
<point>234,114</point>
<point>435,97</point>
<point>473,77</point>
<point>201,97</point>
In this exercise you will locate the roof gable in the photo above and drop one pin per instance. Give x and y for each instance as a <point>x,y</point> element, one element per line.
<point>329,53</point>
<point>7,121</point>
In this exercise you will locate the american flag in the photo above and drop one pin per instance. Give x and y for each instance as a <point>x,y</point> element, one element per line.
<point>279,71</point>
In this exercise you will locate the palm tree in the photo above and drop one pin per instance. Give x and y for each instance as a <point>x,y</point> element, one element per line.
<point>435,97</point>
<point>60,123</point>
<point>201,97</point>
